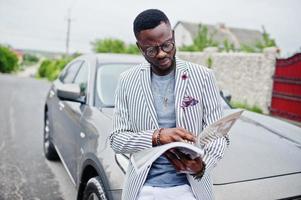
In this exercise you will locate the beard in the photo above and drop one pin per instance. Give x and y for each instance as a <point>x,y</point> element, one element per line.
<point>158,68</point>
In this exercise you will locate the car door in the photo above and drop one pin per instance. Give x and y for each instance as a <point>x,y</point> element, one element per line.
<point>72,113</point>
<point>60,122</point>
<point>57,105</point>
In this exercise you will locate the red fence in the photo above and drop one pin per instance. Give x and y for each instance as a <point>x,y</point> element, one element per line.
<point>286,97</point>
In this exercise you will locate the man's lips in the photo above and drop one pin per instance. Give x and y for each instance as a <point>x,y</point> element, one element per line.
<point>164,61</point>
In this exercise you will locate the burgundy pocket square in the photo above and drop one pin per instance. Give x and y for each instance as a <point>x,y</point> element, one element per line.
<point>189,101</point>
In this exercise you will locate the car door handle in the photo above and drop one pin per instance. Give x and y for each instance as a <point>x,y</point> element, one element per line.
<point>61,105</point>
<point>82,135</point>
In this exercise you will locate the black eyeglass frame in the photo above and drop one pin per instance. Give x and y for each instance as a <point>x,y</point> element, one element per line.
<point>156,47</point>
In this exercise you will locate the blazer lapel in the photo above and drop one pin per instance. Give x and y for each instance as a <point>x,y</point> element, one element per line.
<point>145,82</point>
<point>182,78</point>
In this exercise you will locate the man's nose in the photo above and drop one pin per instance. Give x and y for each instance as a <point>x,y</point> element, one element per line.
<point>161,53</point>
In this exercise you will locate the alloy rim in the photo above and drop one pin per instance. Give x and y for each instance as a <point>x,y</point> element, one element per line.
<point>93,196</point>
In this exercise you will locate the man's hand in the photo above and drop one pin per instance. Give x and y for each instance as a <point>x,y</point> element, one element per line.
<point>169,135</point>
<point>183,162</point>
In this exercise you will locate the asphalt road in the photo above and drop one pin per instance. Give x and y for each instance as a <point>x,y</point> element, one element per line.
<point>24,172</point>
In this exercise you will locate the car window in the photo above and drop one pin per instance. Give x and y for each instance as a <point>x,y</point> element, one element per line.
<point>70,73</point>
<point>106,81</point>
<point>82,78</point>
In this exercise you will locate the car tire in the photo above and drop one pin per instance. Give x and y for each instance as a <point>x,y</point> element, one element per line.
<point>95,190</point>
<point>49,150</point>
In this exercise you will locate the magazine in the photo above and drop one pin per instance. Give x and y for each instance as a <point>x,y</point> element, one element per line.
<point>220,128</point>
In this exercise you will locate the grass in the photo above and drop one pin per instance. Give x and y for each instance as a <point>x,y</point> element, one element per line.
<point>253,108</point>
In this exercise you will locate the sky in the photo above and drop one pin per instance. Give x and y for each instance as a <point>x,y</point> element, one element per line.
<point>42,24</point>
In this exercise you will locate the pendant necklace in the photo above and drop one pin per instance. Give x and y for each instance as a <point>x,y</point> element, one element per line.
<point>165,99</point>
<point>167,89</point>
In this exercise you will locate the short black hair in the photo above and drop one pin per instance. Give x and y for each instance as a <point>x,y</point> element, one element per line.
<point>149,19</point>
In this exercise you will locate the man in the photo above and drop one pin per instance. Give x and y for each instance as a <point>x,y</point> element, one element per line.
<point>161,101</point>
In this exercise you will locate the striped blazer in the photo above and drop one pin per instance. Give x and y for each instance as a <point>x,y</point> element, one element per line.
<point>135,119</point>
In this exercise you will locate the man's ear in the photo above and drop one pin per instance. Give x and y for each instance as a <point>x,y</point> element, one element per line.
<point>140,48</point>
<point>173,37</point>
<point>138,45</point>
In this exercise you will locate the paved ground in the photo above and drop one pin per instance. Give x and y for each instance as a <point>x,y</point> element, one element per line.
<point>24,172</point>
<point>29,71</point>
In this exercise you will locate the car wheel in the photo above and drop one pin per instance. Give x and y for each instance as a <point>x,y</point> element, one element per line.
<point>49,150</point>
<point>95,190</point>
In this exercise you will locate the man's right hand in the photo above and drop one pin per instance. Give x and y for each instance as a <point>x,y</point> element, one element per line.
<point>169,135</point>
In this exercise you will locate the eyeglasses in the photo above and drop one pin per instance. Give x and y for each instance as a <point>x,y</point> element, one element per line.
<point>167,47</point>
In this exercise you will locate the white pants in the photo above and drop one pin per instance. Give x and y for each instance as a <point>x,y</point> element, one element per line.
<point>182,192</point>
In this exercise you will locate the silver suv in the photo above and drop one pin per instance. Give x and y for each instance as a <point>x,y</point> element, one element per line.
<point>77,118</point>
<point>262,162</point>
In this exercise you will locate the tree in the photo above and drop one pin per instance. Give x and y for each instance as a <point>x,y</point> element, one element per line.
<point>201,41</point>
<point>132,49</point>
<point>248,48</point>
<point>267,41</point>
<point>228,46</point>
<point>109,45</point>
<point>8,60</point>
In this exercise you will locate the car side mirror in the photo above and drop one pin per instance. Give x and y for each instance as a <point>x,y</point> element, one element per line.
<point>69,92</point>
<point>227,96</point>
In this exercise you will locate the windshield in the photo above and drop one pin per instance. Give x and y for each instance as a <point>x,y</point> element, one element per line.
<point>107,79</point>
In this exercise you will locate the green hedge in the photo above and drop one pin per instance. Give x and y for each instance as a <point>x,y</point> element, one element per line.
<point>8,60</point>
<point>50,69</point>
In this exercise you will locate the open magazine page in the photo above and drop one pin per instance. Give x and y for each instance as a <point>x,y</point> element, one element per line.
<point>145,158</point>
<point>220,128</point>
